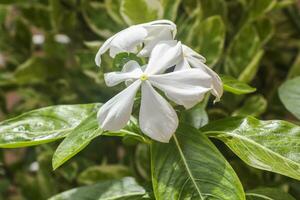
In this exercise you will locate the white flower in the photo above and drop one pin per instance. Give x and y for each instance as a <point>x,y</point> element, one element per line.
<point>132,38</point>
<point>157,118</point>
<point>190,58</point>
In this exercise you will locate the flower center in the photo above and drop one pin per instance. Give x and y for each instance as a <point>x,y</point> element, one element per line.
<point>144,77</point>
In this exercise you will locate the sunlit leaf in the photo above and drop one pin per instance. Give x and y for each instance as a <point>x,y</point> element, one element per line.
<point>123,189</point>
<point>268,194</point>
<point>140,11</point>
<point>191,167</point>
<point>235,86</point>
<point>289,94</point>
<point>42,125</point>
<point>272,145</point>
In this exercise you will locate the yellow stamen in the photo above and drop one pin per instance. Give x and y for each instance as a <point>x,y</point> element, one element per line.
<point>144,77</point>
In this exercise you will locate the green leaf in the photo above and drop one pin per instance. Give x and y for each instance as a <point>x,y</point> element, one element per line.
<point>295,68</point>
<point>37,15</point>
<point>170,8</point>
<point>235,86</point>
<point>6,79</point>
<point>242,50</point>
<point>251,69</point>
<point>140,11</point>
<point>196,116</point>
<point>265,29</point>
<point>254,106</point>
<point>37,70</point>
<point>97,18</point>
<point>272,145</point>
<point>289,94</point>
<point>122,58</point>
<point>43,125</point>
<point>268,194</point>
<point>82,135</point>
<point>105,172</point>
<point>63,18</point>
<point>210,8</point>
<point>258,8</point>
<point>208,38</point>
<point>191,167</point>
<point>77,139</point>
<point>113,7</point>
<point>123,189</point>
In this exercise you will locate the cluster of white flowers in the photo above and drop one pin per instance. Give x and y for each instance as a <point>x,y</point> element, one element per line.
<point>185,85</point>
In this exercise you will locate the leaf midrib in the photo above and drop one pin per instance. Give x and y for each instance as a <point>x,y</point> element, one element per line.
<point>187,166</point>
<point>252,142</point>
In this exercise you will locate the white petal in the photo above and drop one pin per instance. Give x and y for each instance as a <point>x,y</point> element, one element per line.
<point>184,87</point>
<point>157,118</point>
<point>217,85</point>
<point>164,55</point>
<point>115,113</point>
<point>131,71</point>
<point>128,40</point>
<point>163,24</point>
<point>102,50</point>
<point>183,64</point>
<point>188,52</point>
<point>155,35</point>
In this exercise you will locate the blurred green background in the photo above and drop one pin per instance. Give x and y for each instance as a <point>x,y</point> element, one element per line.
<point>47,50</point>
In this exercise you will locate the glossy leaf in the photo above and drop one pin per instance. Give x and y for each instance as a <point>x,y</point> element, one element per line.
<point>268,194</point>
<point>191,167</point>
<point>235,86</point>
<point>242,50</point>
<point>123,189</point>
<point>140,11</point>
<point>82,135</point>
<point>42,125</point>
<point>77,139</point>
<point>272,145</point>
<point>95,174</point>
<point>289,94</point>
<point>254,106</point>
